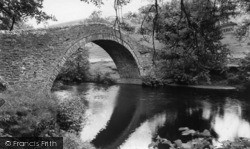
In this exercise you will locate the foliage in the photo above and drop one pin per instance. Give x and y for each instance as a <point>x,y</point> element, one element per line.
<point>241,74</point>
<point>72,141</point>
<point>14,11</point>
<point>151,80</point>
<point>100,2</point>
<point>127,27</point>
<point>135,18</point>
<point>189,29</point>
<point>25,116</point>
<point>200,140</point>
<point>241,77</point>
<point>242,32</point>
<point>95,2</point>
<point>245,63</point>
<point>103,78</point>
<point>239,143</point>
<point>96,16</point>
<point>191,36</point>
<point>75,68</point>
<point>22,116</point>
<point>21,25</point>
<point>70,114</point>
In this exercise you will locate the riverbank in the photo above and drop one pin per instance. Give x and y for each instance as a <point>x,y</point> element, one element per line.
<point>205,87</point>
<point>105,72</point>
<point>22,116</point>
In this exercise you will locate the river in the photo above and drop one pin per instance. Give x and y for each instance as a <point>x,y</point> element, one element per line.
<point>131,116</point>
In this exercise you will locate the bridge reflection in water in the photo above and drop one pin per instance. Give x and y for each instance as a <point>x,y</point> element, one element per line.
<point>128,116</point>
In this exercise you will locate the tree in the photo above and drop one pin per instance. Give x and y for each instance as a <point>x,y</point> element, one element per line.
<point>15,11</point>
<point>22,25</point>
<point>76,67</point>
<point>96,16</point>
<point>95,2</point>
<point>191,33</point>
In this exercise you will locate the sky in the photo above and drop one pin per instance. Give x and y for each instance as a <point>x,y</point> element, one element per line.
<point>70,10</point>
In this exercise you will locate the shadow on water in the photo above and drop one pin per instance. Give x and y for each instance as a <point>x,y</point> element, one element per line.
<point>122,115</point>
<point>130,116</point>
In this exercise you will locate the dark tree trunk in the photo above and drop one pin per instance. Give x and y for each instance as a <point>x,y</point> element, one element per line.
<point>13,22</point>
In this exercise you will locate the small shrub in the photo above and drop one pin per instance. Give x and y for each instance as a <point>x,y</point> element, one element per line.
<point>103,78</point>
<point>70,114</point>
<point>23,116</point>
<point>127,27</point>
<point>151,81</point>
<point>75,68</point>
<point>72,141</point>
<point>242,75</point>
<point>200,140</point>
<point>245,63</point>
<point>235,80</point>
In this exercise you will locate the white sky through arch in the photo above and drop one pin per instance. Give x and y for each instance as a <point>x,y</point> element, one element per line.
<point>71,10</point>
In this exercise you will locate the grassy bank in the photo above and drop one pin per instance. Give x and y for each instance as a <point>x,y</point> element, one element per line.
<point>237,76</point>
<point>22,116</point>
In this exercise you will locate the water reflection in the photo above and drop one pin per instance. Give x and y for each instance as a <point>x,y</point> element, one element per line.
<point>231,124</point>
<point>206,113</point>
<point>124,119</point>
<point>101,105</point>
<point>63,95</point>
<point>143,135</point>
<point>128,116</point>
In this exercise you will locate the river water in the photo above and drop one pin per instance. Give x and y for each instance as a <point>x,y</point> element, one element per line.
<point>131,116</point>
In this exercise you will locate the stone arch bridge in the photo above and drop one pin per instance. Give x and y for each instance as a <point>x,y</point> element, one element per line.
<point>31,60</point>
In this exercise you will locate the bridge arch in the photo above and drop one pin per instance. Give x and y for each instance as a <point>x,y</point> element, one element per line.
<point>123,55</point>
<point>31,60</point>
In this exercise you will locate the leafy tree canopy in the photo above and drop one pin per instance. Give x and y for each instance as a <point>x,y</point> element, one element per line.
<point>100,2</point>
<point>15,11</point>
<point>95,2</point>
<point>190,30</point>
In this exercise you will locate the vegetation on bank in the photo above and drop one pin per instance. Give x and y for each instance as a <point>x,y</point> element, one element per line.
<point>193,54</point>
<point>199,140</point>
<point>77,70</point>
<point>23,116</point>
<point>238,76</point>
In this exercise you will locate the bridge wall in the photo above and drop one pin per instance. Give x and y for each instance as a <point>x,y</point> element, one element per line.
<point>31,60</point>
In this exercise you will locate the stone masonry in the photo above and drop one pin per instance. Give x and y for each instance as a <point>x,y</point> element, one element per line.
<point>31,60</point>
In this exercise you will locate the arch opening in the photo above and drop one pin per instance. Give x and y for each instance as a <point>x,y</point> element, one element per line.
<point>101,65</point>
<point>123,59</point>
